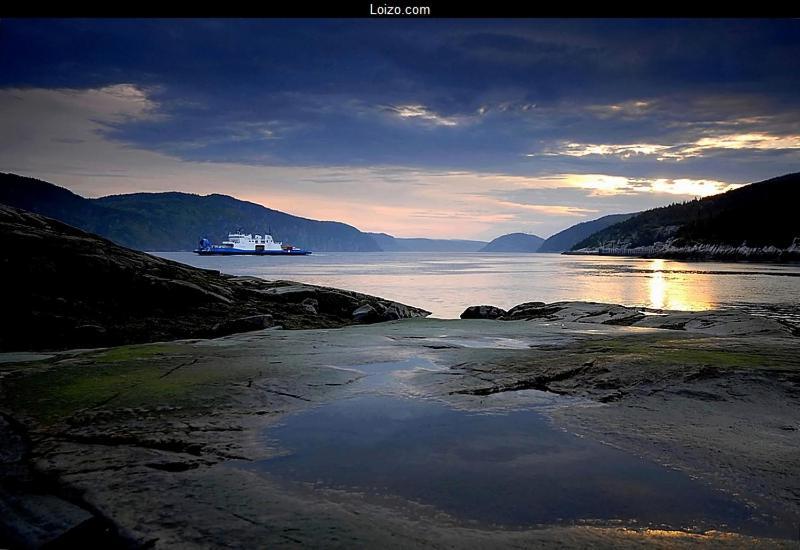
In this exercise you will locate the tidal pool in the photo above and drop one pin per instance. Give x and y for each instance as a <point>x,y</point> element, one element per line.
<point>509,467</point>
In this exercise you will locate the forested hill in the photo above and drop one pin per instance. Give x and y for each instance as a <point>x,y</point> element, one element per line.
<point>756,215</point>
<point>569,237</point>
<point>514,242</point>
<point>175,221</point>
<point>389,243</point>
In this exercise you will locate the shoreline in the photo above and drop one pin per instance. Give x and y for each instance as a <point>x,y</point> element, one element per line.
<point>160,422</point>
<point>700,253</point>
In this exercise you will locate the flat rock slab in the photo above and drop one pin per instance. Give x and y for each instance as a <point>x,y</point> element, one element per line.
<point>720,323</point>
<point>166,423</point>
<point>38,519</point>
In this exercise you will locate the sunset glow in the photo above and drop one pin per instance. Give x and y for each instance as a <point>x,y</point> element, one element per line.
<point>412,151</point>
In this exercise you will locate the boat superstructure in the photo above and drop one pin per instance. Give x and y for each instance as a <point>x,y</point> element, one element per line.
<point>241,243</point>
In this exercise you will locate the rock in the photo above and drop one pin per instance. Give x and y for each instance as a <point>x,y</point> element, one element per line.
<point>110,295</point>
<point>90,330</point>
<point>392,313</point>
<point>483,312</point>
<point>90,335</point>
<point>290,289</point>
<point>365,314</point>
<point>310,305</point>
<point>173,466</point>
<point>718,323</point>
<point>32,520</point>
<point>532,310</point>
<point>185,290</point>
<point>243,324</point>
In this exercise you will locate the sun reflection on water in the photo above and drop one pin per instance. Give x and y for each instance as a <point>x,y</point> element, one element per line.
<point>670,287</point>
<point>658,284</point>
<point>448,283</point>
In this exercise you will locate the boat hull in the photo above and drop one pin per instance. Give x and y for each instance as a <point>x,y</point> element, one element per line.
<point>235,252</point>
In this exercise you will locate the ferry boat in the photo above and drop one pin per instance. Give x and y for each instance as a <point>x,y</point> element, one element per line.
<point>255,245</point>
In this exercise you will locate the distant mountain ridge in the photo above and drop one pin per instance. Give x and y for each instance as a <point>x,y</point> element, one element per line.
<point>758,215</point>
<point>566,239</point>
<point>389,243</point>
<point>214,216</point>
<point>514,242</point>
<point>174,221</point>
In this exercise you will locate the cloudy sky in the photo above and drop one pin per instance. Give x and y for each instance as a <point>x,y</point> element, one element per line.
<point>443,128</point>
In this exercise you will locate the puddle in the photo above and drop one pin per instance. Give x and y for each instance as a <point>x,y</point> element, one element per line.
<point>507,467</point>
<point>490,342</point>
<point>486,342</point>
<point>387,378</point>
<point>23,357</point>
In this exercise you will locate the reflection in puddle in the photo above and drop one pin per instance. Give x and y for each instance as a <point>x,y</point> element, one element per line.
<point>510,467</point>
<point>483,342</point>
<point>23,357</point>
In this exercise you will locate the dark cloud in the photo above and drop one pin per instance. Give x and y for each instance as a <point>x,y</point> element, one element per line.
<point>486,93</point>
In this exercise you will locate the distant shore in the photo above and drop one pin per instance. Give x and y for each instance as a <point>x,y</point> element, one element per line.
<point>709,252</point>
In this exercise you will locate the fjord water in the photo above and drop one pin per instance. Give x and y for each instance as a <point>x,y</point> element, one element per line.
<point>447,283</point>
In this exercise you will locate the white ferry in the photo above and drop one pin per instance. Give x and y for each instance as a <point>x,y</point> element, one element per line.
<point>256,245</point>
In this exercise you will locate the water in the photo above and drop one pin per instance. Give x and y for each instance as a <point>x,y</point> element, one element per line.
<point>447,283</point>
<point>504,466</point>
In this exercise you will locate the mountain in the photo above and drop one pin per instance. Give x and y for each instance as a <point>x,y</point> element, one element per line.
<point>184,216</point>
<point>175,221</point>
<point>566,239</point>
<point>514,242</point>
<point>62,204</point>
<point>388,243</point>
<point>761,214</point>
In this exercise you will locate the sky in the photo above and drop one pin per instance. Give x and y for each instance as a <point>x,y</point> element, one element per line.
<point>442,128</point>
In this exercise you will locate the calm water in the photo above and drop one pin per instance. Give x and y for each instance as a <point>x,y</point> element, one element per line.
<point>506,466</point>
<point>447,283</point>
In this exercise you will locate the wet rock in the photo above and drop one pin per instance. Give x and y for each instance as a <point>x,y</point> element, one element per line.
<point>90,330</point>
<point>717,323</point>
<point>365,314</point>
<point>392,313</point>
<point>173,466</point>
<point>310,305</point>
<point>290,289</point>
<point>12,451</point>
<point>483,312</point>
<point>698,394</point>
<point>705,372</point>
<point>32,521</point>
<point>532,310</point>
<point>89,335</point>
<point>243,324</point>
<point>607,384</point>
<point>668,387</point>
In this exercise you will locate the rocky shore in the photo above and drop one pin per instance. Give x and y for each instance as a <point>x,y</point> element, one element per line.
<point>149,439</point>
<point>146,445</point>
<point>700,251</point>
<point>65,288</point>
<point>718,323</point>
